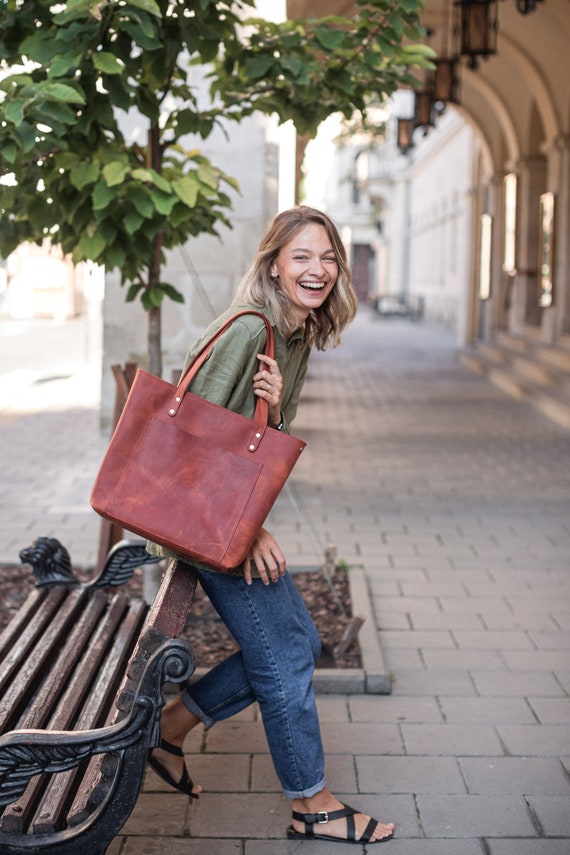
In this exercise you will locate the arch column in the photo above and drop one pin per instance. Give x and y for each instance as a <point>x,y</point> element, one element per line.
<point>526,312</point>
<point>557,316</point>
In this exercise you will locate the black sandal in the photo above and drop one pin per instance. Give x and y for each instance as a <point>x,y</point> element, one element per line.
<point>185,784</point>
<point>323,816</point>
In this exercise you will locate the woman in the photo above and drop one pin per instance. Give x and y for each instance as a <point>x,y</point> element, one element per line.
<point>300,280</point>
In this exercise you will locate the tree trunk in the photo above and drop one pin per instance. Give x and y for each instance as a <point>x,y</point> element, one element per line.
<point>155,341</point>
<point>154,161</point>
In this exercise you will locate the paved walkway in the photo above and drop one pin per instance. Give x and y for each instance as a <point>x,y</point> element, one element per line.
<point>455,499</point>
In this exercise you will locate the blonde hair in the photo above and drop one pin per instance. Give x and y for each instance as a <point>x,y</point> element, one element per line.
<point>324,325</point>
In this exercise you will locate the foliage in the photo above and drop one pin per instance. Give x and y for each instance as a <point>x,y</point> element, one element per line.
<point>97,104</point>
<point>85,72</point>
<point>305,70</point>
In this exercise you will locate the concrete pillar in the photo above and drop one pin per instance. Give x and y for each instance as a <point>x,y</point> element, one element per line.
<point>556,320</point>
<point>531,183</point>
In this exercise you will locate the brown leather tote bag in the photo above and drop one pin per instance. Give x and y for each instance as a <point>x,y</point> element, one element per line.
<point>190,475</point>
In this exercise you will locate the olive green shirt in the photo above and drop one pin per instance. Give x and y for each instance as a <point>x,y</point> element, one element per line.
<point>226,377</point>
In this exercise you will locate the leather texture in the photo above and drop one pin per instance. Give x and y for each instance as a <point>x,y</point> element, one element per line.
<point>190,475</point>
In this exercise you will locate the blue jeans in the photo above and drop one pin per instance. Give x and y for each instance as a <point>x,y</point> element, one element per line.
<point>279,648</point>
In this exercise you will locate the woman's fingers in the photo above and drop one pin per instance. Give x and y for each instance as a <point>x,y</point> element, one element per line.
<point>268,384</point>
<point>267,558</point>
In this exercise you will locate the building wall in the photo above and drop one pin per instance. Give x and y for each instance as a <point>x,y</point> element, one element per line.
<point>440,221</point>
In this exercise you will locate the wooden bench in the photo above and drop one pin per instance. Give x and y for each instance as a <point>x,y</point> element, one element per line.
<point>82,670</point>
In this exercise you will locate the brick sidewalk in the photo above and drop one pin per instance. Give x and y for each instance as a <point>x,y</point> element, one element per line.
<point>455,499</point>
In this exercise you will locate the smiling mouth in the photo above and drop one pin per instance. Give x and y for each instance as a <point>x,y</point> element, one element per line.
<point>312,286</point>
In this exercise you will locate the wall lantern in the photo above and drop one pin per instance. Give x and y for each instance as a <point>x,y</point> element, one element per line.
<point>445,81</point>
<point>405,132</point>
<point>526,7</point>
<point>403,106</point>
<point>476,28</point>
<point>423,110</point>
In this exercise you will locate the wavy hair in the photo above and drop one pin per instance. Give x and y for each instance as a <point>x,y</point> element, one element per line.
<point>324,325</point>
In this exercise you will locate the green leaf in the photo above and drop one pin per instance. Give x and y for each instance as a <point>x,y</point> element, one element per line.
<point>133,221</point>
<point>149,6</point>
<point>114,173</point>
<point>257,67</point>
<point>397,22</point>
<point>153,177</point>
<point>142,34</point>
<point>133,291</point>
<point>186,122</point>
<point>64,63</point>
<point>73,9</point>
<point>56,110</point>
<point>14,81</point>
<point>208,175</point>
<point>142,202</point>
<point>83,174</point>
<point>163,203</point>
<point>107,63</point>
<point>26,134</point>
<point>152,298</point>
<point>62,92</point>
<point>14,112</point>
<point>9,152</point>
<point>102,196</point>
<point>294,65</point>
<point>115,255</point>
<point>91,245</point>
<point>329,38</point>
<point>172,293</point>
<point>187,189</point>
<point>421,50</point>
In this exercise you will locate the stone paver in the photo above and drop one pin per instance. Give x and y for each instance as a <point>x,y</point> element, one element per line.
<point>455,501</point>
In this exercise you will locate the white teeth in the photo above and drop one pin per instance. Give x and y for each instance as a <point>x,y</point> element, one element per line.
<point>314,286</point>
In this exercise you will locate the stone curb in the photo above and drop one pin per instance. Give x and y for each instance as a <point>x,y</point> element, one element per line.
<point>373,678</point>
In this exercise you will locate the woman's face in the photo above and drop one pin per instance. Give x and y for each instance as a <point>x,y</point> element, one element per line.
<point>307,269</point>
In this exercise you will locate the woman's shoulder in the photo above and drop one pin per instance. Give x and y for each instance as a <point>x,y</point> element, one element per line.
<point>248,319</point>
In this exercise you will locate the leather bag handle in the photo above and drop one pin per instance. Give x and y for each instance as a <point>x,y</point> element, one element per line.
<point>261,413</point>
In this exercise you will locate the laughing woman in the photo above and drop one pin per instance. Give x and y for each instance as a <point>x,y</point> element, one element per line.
<point>300,281</point>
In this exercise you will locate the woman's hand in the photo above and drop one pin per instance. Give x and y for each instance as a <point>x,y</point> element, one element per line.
<point>268,384</point>
<point>267,557</point>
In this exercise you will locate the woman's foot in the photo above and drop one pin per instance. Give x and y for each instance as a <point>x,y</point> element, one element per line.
<point>324,803</point>
<point>167,760</point>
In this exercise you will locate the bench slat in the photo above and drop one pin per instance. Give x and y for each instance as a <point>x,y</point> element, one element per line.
<point>17,815</point>
<point>21,619</point>
<point>37,660</point>
<point>45,700</point>
<point>27,633</point>
<point>60,791</point>
<point>163,621</point>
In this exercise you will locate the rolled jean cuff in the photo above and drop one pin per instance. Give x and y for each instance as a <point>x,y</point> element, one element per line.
<point>193,707</point>
<point>306,794</point>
